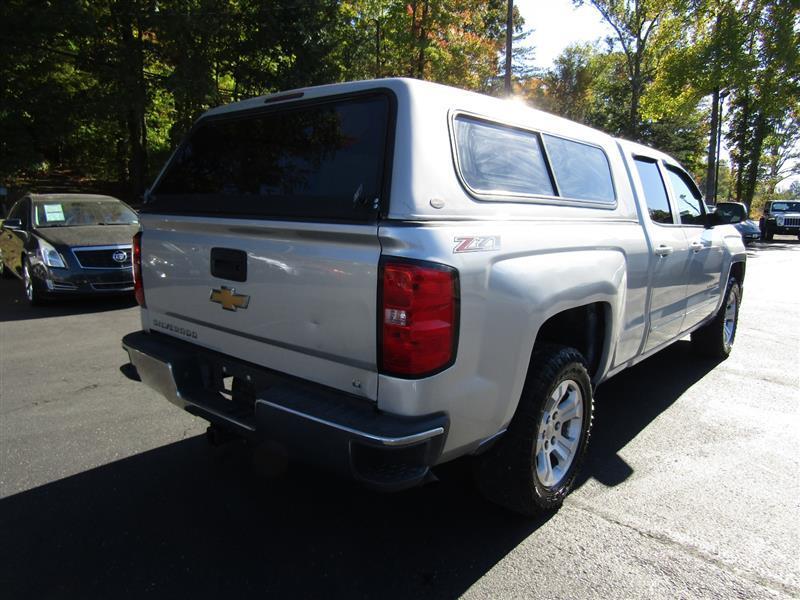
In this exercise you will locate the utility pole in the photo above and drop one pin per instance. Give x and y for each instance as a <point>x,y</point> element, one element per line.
<point>509,35</point>
<point>722,97</point>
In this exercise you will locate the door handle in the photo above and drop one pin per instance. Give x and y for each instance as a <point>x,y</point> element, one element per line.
<point>696,246</point>
<point>663,251</point>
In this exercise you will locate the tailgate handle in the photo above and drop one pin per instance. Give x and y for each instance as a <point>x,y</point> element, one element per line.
<point>227,263</point>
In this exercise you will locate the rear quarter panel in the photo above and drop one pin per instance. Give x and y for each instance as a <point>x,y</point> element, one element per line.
<point>541,268</point>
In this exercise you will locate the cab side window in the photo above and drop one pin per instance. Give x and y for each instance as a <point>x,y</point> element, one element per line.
<point>687,197</point>
<point>654,191</point>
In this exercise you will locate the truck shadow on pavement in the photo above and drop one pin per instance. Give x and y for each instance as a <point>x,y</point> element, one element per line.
<point>184,519</point>
<point>626,404</point>
<point>14,306</point>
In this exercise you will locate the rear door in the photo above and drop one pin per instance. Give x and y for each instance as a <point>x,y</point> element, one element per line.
<point>260,238</point>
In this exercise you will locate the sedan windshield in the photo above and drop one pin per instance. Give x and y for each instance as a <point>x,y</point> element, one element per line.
<point>74,213</point>
<point>786,207</point>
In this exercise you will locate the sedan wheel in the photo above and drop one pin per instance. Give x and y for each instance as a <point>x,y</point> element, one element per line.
<point>34,297</point>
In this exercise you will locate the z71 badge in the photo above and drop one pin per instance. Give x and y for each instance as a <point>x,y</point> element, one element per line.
<point>484,243</point>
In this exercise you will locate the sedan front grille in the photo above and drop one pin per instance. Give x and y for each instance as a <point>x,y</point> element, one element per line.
<point>104,257</point>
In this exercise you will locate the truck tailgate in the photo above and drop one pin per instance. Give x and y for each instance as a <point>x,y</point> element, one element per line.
<point>306,306</point>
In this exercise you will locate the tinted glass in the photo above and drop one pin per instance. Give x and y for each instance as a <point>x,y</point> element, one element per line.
<point>581,171</point>
<point>501,160</point>
<point>16,211</point>
<point>730,213</point>
<point>654,191</point>
<point>687,197</point>
<point>785,206</point>
<point>74,213</point>
<point>322,161</point>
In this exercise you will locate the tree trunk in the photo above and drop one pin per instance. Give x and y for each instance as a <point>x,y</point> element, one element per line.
<point>423,41</point>
<point>509,37</point>
<point>741,146</point>
<point>754,160</point>
<point>711,167</point>
<point>636,94</point>
<point>133,86</point>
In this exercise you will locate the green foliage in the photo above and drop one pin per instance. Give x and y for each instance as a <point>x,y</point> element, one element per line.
<point>108,87</point>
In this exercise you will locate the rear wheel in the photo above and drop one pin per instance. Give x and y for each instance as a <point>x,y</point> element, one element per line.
<point>533,466</point>
<point>716,338</point>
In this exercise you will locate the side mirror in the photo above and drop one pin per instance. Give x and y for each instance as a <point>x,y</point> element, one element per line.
<point>15,224</point>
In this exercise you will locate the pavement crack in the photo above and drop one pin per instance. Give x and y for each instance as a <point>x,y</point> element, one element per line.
<point>774,585</point>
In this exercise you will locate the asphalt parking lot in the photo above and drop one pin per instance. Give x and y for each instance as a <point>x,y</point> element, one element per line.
<point>691,487</point>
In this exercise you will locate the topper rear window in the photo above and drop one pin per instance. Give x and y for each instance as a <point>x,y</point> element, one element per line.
<point>314,161</point>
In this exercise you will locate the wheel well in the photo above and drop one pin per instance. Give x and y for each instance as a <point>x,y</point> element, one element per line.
<point>737,271</point>
<point>582,328</point>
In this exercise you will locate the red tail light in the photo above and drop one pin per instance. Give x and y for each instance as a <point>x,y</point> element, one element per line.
<point>418,317</point>
<point>138,288</point>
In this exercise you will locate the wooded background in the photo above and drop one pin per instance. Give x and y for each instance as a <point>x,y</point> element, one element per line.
<point>98,93</point>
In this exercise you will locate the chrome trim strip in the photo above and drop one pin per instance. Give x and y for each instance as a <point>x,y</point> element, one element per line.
<point>386,441</point>
<point>76,249</point>
<point>113,287</point>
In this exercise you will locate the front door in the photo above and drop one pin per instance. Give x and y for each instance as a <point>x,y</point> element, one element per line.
<point>670,256</point>
<point>705,249</point>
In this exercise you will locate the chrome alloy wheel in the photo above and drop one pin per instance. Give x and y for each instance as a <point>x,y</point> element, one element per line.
<point>28,281</point>
<point>559,433</point>
<point>729,326</point>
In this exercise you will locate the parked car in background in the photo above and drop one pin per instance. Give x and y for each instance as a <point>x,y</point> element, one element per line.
<point>735,213</point>
<point>68,245</point>
<point>781,217</point>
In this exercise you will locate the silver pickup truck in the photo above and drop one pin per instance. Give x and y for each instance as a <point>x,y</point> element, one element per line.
<point>384,276</point>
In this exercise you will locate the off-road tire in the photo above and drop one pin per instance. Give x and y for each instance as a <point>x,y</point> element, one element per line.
<point>712,340</point>
<point>767,234</point>
<point>506,473</point>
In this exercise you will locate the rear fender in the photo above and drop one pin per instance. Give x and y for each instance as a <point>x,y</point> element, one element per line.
<point>527,291</point>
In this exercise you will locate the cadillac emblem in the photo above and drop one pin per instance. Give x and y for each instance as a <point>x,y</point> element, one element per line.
<point>120,256</point>
<point>229,299</point>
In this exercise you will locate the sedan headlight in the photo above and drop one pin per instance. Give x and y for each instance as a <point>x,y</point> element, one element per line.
<point>50,255</point>
<point>779,220</point>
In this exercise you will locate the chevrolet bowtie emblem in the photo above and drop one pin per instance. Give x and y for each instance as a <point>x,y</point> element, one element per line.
<point>229,299</point>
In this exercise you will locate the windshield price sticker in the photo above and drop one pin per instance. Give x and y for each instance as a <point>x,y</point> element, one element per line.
<point>54,212</point>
